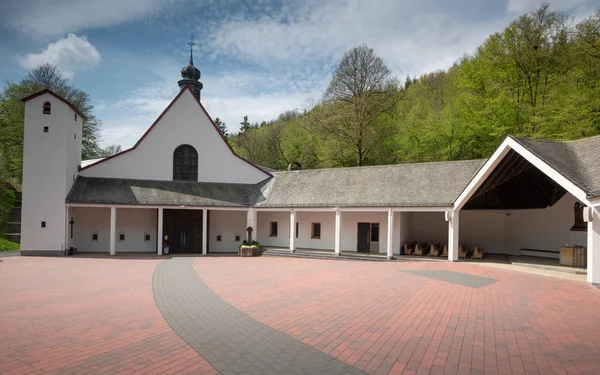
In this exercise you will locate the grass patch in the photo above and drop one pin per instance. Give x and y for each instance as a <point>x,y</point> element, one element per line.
<point>6,245</point>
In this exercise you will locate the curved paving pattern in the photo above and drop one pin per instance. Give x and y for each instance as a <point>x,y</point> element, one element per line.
<point>231,341</point>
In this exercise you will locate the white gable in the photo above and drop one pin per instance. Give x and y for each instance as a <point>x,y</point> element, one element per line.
<point>184,122</point>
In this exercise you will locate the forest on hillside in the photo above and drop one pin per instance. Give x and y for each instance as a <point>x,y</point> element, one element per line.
<point>539,78</point>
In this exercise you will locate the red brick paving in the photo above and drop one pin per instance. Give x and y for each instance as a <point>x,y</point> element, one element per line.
<point>86,316</point>
<point>380,319</point>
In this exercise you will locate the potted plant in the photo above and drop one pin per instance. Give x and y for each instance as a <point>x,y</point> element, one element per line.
<point>250,249</point>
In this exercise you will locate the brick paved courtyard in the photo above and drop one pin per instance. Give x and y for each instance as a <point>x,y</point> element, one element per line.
<point>99,315</point>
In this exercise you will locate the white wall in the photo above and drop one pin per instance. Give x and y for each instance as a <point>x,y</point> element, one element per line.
<point>88,221</point>
<point>544,229</point>
<point>484,228</point>
<point>184,123</point>
<point>135,223</point>
<point>430,227</point>
<point>305,219</point>
<point>350,222</point>
<point>405,229</point>
<point>264,218</point>
<point>228,224</point>
<point>49,163</point>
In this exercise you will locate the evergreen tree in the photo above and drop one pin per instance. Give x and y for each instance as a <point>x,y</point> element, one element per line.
<point>222,127</point>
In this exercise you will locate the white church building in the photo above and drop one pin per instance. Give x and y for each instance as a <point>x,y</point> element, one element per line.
<point>183,186</point>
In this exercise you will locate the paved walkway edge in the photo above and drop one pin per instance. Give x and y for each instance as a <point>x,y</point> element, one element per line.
<point>231,341</point>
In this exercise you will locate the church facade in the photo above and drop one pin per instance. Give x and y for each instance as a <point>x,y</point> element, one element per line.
<point>183,188</point>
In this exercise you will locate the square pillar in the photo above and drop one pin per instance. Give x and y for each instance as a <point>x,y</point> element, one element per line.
<point>390,234</point>
<point>113,230</point>
<point>338,232</point>
<point>292,231</point>
<point>593,248</point>
<point>204,232</point>
<point>251,222</point>
<point>159,232</point>
<point>452,217</point>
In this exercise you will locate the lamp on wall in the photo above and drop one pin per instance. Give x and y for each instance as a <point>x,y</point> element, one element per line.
<point>448,215</point>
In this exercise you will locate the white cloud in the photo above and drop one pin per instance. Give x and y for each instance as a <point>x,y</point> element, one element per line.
<point>413,36</point>
<point>51,18</point>
<point>68,55</point>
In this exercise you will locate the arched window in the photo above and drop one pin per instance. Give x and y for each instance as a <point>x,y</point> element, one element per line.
<point>47,108</point>
<point>185,163</point>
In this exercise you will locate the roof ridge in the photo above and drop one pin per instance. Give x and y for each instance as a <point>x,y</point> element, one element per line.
<point>583,139</point>
<point>170,181</point>
<point>386,165</point>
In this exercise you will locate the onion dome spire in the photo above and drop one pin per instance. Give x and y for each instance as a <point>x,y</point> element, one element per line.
<point>190,74</point>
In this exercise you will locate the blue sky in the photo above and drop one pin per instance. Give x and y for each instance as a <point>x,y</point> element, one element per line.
<point>257,57</point>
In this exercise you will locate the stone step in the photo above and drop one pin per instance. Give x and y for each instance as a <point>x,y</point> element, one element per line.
<point>13,227</point>
<point>14,237</point>
<point>323,255</point>
<point>15,215</point>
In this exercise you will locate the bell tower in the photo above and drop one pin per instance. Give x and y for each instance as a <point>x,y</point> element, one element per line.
<point>191,74</point>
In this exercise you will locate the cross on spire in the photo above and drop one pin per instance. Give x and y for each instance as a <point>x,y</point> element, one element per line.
<point>191,44</point>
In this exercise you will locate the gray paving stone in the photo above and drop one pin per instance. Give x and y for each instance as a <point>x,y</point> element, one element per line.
<point>231,341</point>
<point>458,278</point>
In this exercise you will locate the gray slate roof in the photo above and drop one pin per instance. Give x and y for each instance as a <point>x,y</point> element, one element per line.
<point>578,161</point>
<point>169,193</point>
<point>403,185</point>
<point>399,185</point>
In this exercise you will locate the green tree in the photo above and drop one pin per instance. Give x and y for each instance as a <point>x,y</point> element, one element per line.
<point>361,91</point>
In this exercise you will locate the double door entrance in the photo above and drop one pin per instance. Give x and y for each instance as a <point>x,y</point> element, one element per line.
<point>368,238</point>
<point>183,230</point>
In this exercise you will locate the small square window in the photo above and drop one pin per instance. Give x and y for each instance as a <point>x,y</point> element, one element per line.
<point>316,231</point>
<point>122,237</point>
<point>218,238</point>
<point>147,237</point>
<point>95,237</point>
<point>273,229</point>
<point>237,238</point>
<point>45,129</point>
<point>43,224</point>
<point>76,117</point>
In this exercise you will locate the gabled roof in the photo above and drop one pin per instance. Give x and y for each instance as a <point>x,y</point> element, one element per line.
<point>578,161</point>
<point>48,91</point>
<point>399,185</point>
<point>186,88</point>
<point>93,190</point>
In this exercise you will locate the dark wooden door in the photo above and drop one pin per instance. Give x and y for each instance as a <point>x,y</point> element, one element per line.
<point>183,229</point>
<point>364,236</point>
<point>184,239</point>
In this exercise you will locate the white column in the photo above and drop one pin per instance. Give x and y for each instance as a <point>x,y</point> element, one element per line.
<point>113,229</point>
<point>390,234</point>
<point>292,231</point>
<point>252,223</point>
<point>593,248</point>
<point>338,232</point>
<point>68,231</point>
<point>204,232</point>
<point>159,232</point>
<point>453,236</point>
